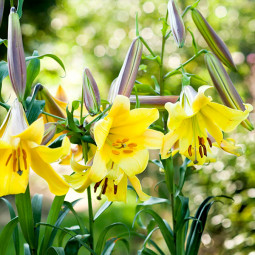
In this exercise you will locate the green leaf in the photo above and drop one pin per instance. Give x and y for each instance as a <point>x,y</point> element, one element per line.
<point>106,205</point>
<point>169,174</point>
<point>102,237</point>
<point>16,230</point>
<point>6,235</point>
<point>52,218</point>
<point>144,89</point>
<point>19,10</point>
<point>182,171</point>
<point>25,213</point>
<point>57,59</point>
<point>164,228</point>
<point>37,213</point>
<point>3,73</point>
<point>73,245</point>
<point>194,44</point>
<point>185,79</point>
<point>146,251</point>
<point>57,142</point>
<point>35,109</point>
<point>26,249</point>
<point>110,244</point>
<point>55,251</point>
<point>33,70</point>
<point>70,119</point>
<point>137,104</point>
<point>4,41</point>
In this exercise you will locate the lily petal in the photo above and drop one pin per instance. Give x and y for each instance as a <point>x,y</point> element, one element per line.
<point>78,181</point>
<point>152,139</point>
<point>137,186</point>
<point>168,141</point>
<point>121,190</point>
<point>121,106</point>
<point>101,131</point>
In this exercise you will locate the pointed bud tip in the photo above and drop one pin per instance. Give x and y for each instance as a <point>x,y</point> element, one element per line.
<point>13,10</point>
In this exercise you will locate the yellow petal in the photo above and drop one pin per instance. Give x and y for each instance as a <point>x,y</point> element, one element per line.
<point>121,190</point>
<point>168,141</point>
<point>34,132</point>
<point>186,134</point>
<point>201,100</point>
<point>137,186</point>
<point>98,170</point>
<point>230,147</point>
<point>134,124</point>
<point>10,181</point>
<point>50,155</point>
<point>78,167</point>
<point>78,181</point>
<point>224,117</point>
<point>56,184</point>
<point>134,164</point>
<point>121,106</point>
<point>151,139</point>
<point>61,94</point>
<point>101,131</point>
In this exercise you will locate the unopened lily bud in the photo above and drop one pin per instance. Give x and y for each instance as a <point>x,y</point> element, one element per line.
<point>154,101</point>
<point>218,47</point>
<point>91,96</point>
<point>176,23</point>
<point>15,55</point>
<point>49,132</point>
<point>1,11</point>
<point>126,79</point>
<point>224,86</point>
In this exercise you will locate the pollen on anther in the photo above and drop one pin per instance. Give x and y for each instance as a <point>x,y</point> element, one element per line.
<point>131,145</point>
<point>125,140</point>
<point>209,141</point>
<point>115,189</point>
<point>115,152</point>
<point>200,151</point>
<point>127,151</point>
<point>190,150</point>
<point>9,158</point>
<point>204,149</point>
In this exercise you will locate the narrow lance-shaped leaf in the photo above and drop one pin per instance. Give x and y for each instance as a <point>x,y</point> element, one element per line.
<point>1,11</point>
<point>15,55</point>
<point>91,96</point>
<point>176,23</point>
<point>124,83</point>
<point>225,87</point>
<point>213,40</point>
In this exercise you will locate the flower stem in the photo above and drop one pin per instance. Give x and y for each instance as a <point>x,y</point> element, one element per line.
<point>147,46</point>
<point>90,207</point>
<point>52,115</point>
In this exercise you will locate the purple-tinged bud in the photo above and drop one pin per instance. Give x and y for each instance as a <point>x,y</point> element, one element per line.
<point>154,101</point>
<point>15,55</point>
<point>126,79</point>
<point>176,23</point>
<point>225,87</point>
<point>1,11</point>
<point>49,132</point>
<point>215,43</point>
<point>91,96</point>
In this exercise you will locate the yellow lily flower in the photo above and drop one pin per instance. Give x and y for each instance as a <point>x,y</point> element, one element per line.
<point>123,140</point>
<point>20,149</point>
<point>195,120</point>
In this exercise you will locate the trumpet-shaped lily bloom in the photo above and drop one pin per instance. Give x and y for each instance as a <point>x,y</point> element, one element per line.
<point>123,140</point>
<point>195,121</point>
<point>21,150</point>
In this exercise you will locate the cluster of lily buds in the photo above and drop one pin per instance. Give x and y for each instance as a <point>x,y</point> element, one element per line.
<point>1,11</point>
<point>215,43</point>
<point>124,83</point>
<point>224,86</point>
<point>91,94</point>
<point>16,56</point>
<point>176,23</point>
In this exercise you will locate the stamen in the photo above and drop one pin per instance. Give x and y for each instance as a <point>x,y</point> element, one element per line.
<point>18,152</point>
<point>190,150</point>
<point>209,141</point>
<point>24,158</point>
<point>105,186</point>
<point>96,186</point>
<point>204,149</point>
<point>202,140</point>
<point>9,158</point>
<point>115,152</point>
<point>118,141</point>
<point>200,151</point>
<point>125,140</point>
<point>127,151</point>
<point>115,189</point>
<point>99,197</point>
<point>14,161</point>
<point>112,165</point>
<point>115,144</point>
<point>131,145</point>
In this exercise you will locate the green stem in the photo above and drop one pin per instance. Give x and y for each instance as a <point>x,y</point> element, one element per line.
<point>11,3</point>
<point>6,106</point>
<point>172,198</point>
<point>90,207</point>
<point>184,64</point>
<point>82,94</point>
<point>147,46</point>
<point>52,115</point>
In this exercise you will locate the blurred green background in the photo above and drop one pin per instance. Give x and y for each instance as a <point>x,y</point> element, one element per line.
<point>97,34</point>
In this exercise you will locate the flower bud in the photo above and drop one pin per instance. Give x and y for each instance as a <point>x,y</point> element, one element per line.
<point>49,132</point>
<point>218,47</point>
<point>1,11</point>
<point>126,79</point>
<point>15,55</point>
<point>224,86</point>
<point>154,101</point>
<point>176,23</point>
<point>91,96</point>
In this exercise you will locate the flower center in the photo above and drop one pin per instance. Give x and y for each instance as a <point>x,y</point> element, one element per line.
<point>19,160</point>
<point>124,146</point>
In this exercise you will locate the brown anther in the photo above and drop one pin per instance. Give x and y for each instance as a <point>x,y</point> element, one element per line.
<point>115,152</point>
<point>201,151</point>
<point>115,189</point>
<point>115,144</point>
<point>112,165</point>
<point>204,149</point>
<point>131,145</point>
<point>96,186</point>
<point>127,151</point>
<point>118,141</point>
<point>209,141</point>
<point>125,140</point>
<point>14,161</point>
<point>9,158</point>
<point>199,140</point>
<point>105,186</point>
<point>190,150</point>
<point>24,153</point>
